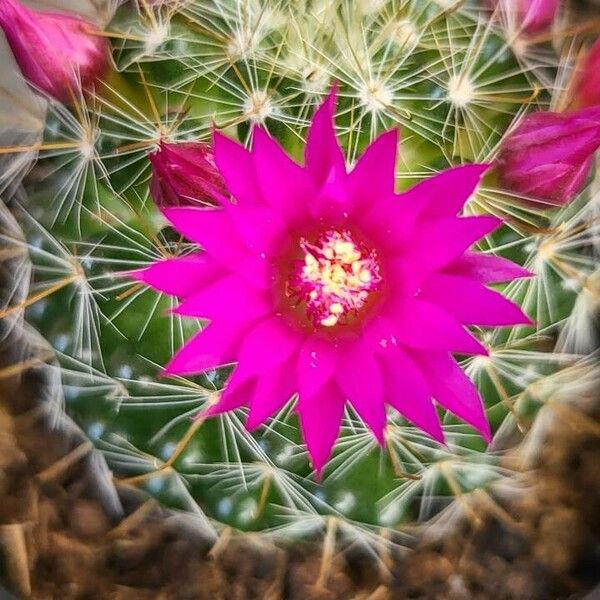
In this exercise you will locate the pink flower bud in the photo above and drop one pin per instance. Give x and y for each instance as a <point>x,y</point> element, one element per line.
<point>587,87</point>
<point>530,16</point>
<point>549,155</point>
<point>185,174</point>
<point>56,52</point>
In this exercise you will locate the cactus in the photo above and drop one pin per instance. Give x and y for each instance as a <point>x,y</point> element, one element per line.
<point>454,80</point>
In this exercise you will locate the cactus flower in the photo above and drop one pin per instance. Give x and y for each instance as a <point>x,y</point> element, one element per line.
<point>329,286</point>
<point>587,86</point>
<point>185,174</point>
<point>55,51</point>
<point>529,16</point>
<point>549,155</point>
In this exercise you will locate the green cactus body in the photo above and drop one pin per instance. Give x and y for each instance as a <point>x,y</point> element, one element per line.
<point>454,83</point>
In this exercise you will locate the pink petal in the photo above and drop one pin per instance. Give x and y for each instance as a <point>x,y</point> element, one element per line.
<point>323,157</point>
<point>549,183</point>
<point>486,268</point>
<point>179,276</point>
<point>320,420</point>
<point>548,155</point>
<point>379,335</point>
<point>539,15</point>
<point>229,399</point>
<point>577,140</point>
<point>454,390</point>
<point>212,347</point>
<point>374,174</point>
<point>447,192</point>
<point>228,298</point>
<point>257,271</point>
<point>284,185</point>
<point>440,242</point>
<point>259,227</point>
<point>471,303</point>
<point>219,236</point>
<point>406,276</point>
<point>407,391</point>
<point>421,324</point>
<point>237,168</point>
<point>578,178</point>
<point>587,84</point>
<point>265,348</point>
<point>359,377</point>
<point>272,392</point>
<point>211,228</point>
<point>391,220</point>
<point>317,361</point>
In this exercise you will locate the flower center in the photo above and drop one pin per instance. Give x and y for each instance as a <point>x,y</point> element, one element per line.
<point>334,278</point>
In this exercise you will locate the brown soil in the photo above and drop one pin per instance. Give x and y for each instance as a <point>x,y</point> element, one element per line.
<point>58,542</point>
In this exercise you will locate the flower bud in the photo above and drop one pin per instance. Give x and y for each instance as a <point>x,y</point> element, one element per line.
<point>549,155</point>
<point>529,16</point>
<point>587,87</point>
<point>57,52</point>
<point>185,174</point>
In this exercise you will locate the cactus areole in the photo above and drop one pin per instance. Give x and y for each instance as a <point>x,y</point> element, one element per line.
<point>328,285</point>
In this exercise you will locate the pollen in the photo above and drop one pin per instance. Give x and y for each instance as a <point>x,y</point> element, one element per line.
<point>334,278</point>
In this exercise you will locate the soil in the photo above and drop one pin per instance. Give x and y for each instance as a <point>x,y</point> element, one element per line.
<point>57,541</point>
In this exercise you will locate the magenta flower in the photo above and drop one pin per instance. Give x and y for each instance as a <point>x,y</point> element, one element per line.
<point>529,16</point>
<point>331,286</point>
<point>587,87</point>
<point>549,155</point>
<point>184,174</point>
<point>56,52</point>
